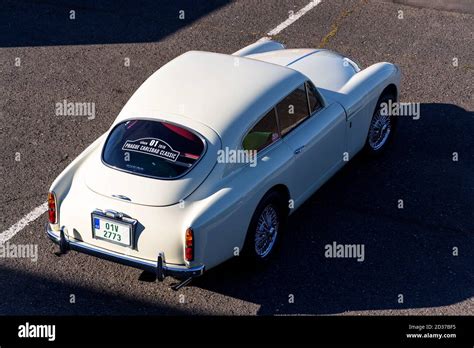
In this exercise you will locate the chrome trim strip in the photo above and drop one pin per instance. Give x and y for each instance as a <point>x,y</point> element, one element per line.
<point>125,198</point>
<point>51,234</point>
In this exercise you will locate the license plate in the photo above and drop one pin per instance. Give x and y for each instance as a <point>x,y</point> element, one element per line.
<point>112,230</point>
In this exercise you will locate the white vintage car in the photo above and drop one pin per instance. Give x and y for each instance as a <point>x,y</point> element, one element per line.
<point>213,152</point>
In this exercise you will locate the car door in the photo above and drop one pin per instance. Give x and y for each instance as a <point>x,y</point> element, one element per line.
<point>316,134</point>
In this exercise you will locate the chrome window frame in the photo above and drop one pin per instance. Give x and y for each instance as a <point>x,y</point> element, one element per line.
<point>301,122</point>
<point>308,84</point>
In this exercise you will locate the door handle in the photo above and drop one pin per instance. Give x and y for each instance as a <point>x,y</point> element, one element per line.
<point>299,150</point>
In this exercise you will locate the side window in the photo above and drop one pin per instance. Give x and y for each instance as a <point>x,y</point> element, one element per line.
<point>263,133</point>
<point>292,110</point>
<point>314,102</point>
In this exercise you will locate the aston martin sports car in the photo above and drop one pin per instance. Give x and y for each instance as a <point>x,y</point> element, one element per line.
<point>213,152</point>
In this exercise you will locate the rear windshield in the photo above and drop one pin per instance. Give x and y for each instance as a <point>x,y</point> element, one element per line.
<point>152,148</point>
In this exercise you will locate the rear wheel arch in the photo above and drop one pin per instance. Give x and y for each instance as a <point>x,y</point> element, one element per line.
<point>280,195</point>
<point>284,193</point>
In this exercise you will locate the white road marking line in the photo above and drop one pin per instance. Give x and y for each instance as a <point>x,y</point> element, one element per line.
<point>43,208</point>
<point>23,222</point>
<point>293,18</point>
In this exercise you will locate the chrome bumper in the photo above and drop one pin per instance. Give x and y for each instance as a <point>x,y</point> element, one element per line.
<point>159,267</point>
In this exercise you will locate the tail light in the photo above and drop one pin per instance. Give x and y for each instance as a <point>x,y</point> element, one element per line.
<point>189,245</point>
<point>52,208</point>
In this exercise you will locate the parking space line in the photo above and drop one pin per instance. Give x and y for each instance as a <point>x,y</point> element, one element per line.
<point>23,222</point>
<point>280,27</point>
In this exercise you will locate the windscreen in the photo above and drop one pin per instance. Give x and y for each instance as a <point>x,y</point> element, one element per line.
<point>155,149</point>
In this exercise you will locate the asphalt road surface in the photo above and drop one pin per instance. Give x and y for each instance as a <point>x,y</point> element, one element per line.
<point>418,260</point>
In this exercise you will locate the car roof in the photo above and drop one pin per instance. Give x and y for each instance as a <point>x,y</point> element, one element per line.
<point>226,93</point>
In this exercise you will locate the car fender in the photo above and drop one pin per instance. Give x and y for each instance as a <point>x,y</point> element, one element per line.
<point>359,97</point>
<point>62,184</point>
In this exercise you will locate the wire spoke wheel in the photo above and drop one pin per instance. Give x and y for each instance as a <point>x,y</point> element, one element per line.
<point>266,231</point>
<point>379,130</point>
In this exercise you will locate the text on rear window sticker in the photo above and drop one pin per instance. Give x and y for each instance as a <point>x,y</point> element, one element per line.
<point>152,146</point>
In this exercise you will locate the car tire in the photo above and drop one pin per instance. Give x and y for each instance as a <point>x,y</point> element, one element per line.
<point>265,230</point>
<point>381,128</point>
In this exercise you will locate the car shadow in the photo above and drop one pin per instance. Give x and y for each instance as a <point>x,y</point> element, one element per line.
<point>29,293</point>
<point>418,251</point>
<point>45,23</point>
